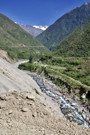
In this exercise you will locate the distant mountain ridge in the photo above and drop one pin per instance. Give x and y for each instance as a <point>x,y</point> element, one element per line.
<point>31,30</point>
<point>17,42</point>
<point>64,26</point>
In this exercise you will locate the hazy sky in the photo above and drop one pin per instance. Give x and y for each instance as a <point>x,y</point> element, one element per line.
<point>37,12</point>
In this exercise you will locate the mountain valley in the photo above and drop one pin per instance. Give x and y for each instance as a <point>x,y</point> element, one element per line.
<point>45,75</point>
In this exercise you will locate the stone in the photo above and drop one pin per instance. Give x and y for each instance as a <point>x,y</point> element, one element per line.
<point>74,104</point>
<point>10,112</point>
<point>45,113</point>
<point>3,97</point>
<point>80,109</point>
<point>30,97</point>
<point>87,118</point>
<point>84,116</point>
<point>83,96</point>
<point>60,131</point>
<point>25,109</point>
<point>2,105</point>
<point>34,114</point>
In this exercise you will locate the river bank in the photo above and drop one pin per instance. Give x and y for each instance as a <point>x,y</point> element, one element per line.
<point>73,108</point>
<point>72,99</point>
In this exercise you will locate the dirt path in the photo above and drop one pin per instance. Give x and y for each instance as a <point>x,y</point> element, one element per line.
<point>19,62</point>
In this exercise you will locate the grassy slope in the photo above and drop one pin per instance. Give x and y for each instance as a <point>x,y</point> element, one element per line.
<point>77,44</point>
<point>16,41</point>
<point>64,26</point>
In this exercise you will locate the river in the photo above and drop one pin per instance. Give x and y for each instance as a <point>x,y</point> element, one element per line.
<point>69,111</point>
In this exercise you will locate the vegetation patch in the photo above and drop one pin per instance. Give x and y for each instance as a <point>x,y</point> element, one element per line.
<point>73,73</point>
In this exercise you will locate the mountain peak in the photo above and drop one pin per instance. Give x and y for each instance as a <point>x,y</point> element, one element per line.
<point>41,27</point>
<point>86,3</point>
<point>31,30</point>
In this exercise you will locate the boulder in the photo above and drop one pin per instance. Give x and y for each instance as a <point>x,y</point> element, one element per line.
<point>83,96</point>
<point>25,109</point>
<point>30,97</point>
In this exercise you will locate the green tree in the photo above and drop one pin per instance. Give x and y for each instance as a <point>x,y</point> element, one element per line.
<point>30,59</point>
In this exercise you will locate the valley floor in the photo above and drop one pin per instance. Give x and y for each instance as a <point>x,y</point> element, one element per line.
<point>23,111</point>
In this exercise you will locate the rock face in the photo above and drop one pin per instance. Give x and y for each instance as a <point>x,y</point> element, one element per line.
<point>22,116</point>
<point>4,55</point>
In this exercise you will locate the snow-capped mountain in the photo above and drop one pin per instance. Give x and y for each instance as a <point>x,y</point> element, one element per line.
<point>33,30</point>
<point>41,27</point>
<point>30,29</point>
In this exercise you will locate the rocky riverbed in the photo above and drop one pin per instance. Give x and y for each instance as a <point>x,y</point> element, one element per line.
<point>70,105</point>
<point>72,99</point>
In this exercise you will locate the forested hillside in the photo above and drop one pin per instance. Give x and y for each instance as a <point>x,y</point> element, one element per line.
<point>17,42</point>
<point>64,26</point>
<point>77,44</point>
